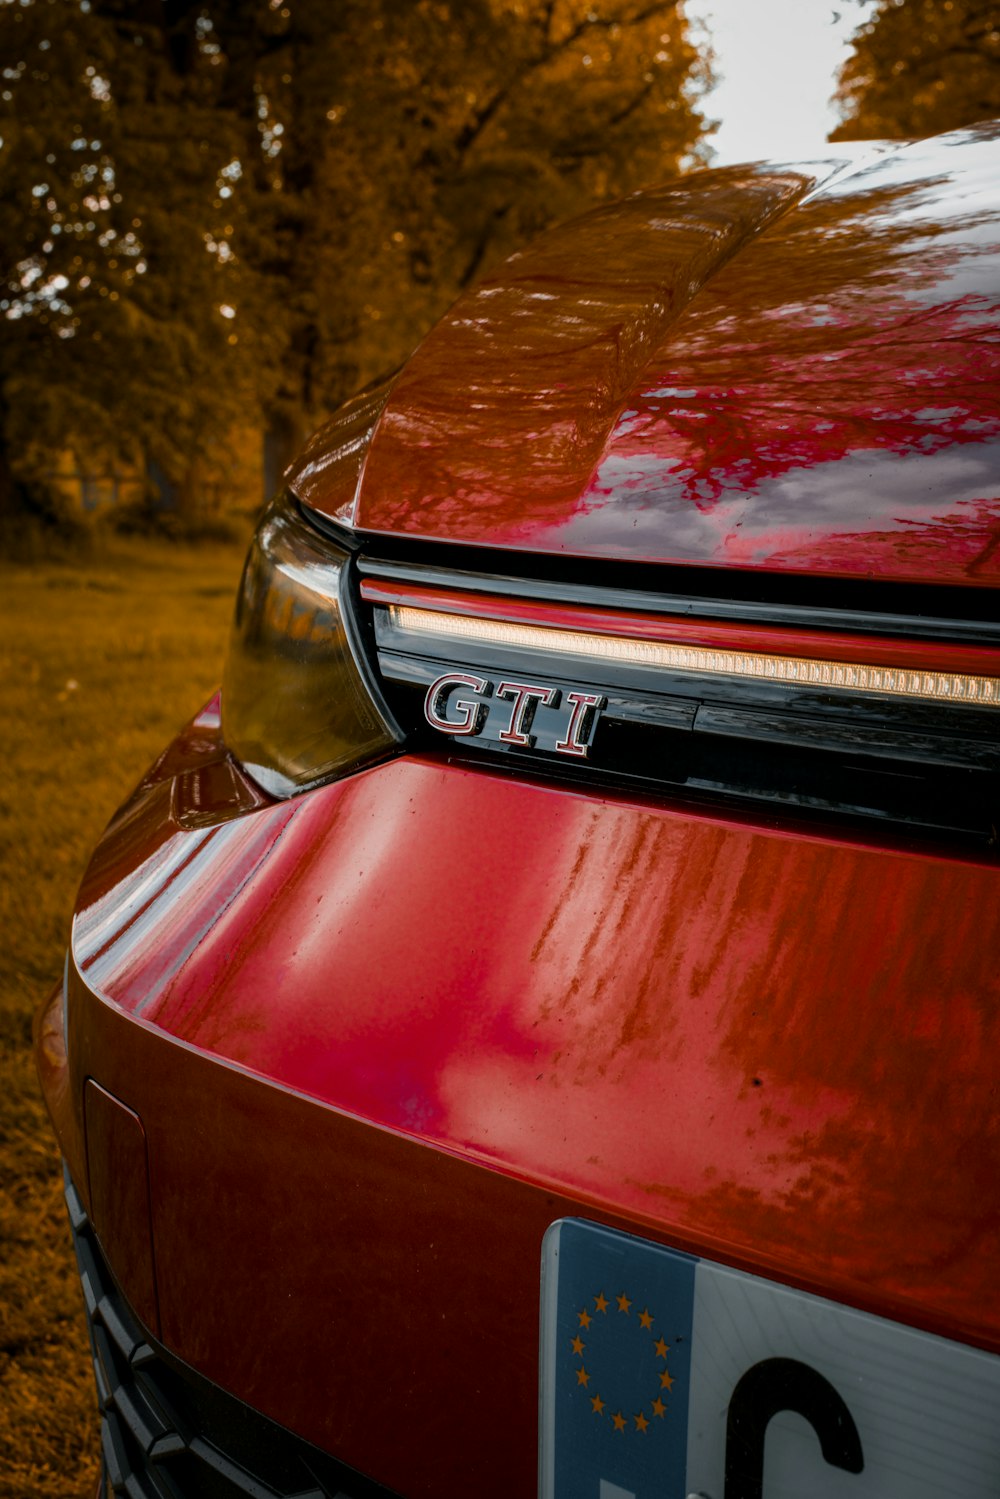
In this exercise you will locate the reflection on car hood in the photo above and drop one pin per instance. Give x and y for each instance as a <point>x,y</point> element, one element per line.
<point>783,368</point>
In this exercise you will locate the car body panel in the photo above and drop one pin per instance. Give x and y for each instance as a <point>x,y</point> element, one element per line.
<point>706,1029</point>
<point>752,1060</point>
<point>748,416</point>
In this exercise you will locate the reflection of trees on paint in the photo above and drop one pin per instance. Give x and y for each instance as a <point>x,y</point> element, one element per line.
<point>505,408</point>
<point>825,401</point>
<point>857,330</point>
<point>919,67</point>
<point>824,340</point>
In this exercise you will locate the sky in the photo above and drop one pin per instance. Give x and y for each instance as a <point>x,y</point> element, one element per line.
<point>777,60</point>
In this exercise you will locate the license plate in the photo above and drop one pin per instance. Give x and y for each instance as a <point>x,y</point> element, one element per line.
<point>669,1377</point>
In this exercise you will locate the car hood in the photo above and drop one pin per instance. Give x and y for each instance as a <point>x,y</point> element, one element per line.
<point>792,369</point>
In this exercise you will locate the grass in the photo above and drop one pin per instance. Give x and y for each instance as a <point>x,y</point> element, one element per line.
<point>102,660</point>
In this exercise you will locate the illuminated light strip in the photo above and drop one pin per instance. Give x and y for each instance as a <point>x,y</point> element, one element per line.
<point>798,671</point>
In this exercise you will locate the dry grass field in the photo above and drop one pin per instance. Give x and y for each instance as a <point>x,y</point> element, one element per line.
<point>101,660</point>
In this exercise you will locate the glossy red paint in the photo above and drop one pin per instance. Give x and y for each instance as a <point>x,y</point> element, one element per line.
<point>849,428</point>
<point>819,645</point>
<point>754,1062</point>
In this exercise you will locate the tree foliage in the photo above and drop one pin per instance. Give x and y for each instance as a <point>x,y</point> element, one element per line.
<point>222,212</point>
<point>920,67</point>
<point>114,343</point>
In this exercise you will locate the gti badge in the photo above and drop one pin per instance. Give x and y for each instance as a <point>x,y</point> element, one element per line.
<point>518,713</point>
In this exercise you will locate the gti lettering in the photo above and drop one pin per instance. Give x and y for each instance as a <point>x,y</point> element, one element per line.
<point>576,738</point>
<point>458,703</point>
<point>526,697</point>
<point>468,713</point>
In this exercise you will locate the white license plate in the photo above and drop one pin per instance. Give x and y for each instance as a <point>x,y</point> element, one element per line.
<point>669,1377</point>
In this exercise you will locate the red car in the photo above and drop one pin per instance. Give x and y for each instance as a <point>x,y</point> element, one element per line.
<point>540,1036</point>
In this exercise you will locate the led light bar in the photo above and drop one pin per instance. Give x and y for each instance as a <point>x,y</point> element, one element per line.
<point>798,671</point>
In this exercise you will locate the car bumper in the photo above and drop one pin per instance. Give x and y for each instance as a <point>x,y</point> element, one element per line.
<point>332,1067</point>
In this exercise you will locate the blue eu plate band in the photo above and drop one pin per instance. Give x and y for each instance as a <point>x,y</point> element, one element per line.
<point>664,1376</point>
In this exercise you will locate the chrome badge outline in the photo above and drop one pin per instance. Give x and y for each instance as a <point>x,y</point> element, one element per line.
<point>481,706</point>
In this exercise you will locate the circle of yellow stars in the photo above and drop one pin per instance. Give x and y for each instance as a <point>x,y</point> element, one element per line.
<point>632,1420</point>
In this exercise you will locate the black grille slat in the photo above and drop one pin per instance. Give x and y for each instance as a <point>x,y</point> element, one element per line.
<point>242,1483</point>
<point>140,1417</point>
<point>170,1444</point>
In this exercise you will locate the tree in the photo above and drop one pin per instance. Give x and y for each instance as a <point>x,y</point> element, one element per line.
<point>456,132</point>
<point>115,342</point>
<point>224,211</point>
<point>920,67</point>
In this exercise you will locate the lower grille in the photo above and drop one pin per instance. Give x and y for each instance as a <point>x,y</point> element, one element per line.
<point>168,1433</point>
